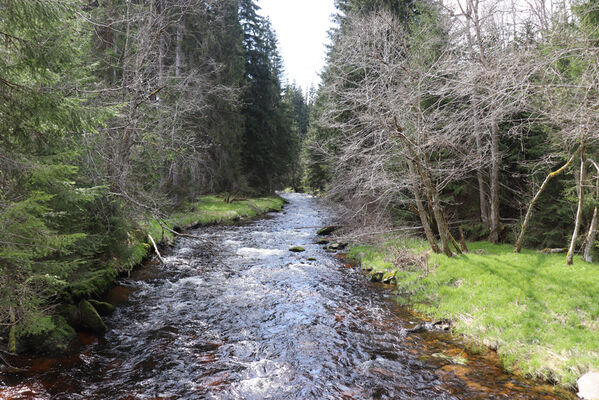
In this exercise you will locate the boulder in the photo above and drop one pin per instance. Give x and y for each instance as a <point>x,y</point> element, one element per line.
<point>588,386</point>
<point>297,249</point>
<point>102,307</point>
<point>90,319</point>
<point>70,313</point>
<point>376,276</point>
<point>52,340</point>
<point>322,240</point>
<point>388,277</point>
<point>337,246</point>
<point>327,230</point>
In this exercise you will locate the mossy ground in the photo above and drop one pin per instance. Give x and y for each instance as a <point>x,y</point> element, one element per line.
<point>541,314</point>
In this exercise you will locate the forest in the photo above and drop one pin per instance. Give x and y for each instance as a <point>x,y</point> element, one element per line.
<point>470,120</point>
<point>116,112</point>
<point>465,116</point>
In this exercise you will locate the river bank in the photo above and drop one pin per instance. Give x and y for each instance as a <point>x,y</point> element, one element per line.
<point>76,306</point>
<point>540,315</point>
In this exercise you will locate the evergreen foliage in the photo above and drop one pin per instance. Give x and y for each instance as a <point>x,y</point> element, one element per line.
<point>115,110</point>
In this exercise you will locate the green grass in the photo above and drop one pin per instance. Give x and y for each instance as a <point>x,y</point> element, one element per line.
<point>540,314</point>
<point>209,210</point>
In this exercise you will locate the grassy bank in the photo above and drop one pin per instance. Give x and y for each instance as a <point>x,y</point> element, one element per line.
<point>206,210</point>
<point>541,315</point>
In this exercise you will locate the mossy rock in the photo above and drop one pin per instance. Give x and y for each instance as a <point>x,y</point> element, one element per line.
<point>322,240</point>
<point>377,276</point>
<point>388,277</point>
<point>327,230</point>
<point>53,340</point>
<point>311,259</point>
<point>102,307</point>
<point>90,319</point>
<point>297,249</point>
<point>337,246</point>
<point>70,313</point>
<point>94,283</point>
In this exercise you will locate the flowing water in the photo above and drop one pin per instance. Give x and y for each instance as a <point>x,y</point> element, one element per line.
<point>238,316</point>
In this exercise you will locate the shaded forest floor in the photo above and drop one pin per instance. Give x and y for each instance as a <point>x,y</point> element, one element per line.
<point>541,315</point>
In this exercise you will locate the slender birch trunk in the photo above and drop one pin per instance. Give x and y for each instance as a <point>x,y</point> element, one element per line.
<point>552,175</point>
<point>179,49</point>
<point>592,232</point>
<point>570,256</point>
<point>495,160</point>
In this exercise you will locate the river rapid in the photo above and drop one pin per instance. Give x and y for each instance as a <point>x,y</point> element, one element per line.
<point>236,315</point>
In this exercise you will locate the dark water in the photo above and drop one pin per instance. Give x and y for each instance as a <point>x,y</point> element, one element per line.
<point>238,316</point>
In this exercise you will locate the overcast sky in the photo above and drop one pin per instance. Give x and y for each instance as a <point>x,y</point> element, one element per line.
<point>301,27</point>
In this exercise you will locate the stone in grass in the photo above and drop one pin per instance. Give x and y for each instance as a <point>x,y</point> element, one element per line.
<point>90,318</point>
<point>588,386</point>
<point>376,276</point>
<point>297,249</point>
<point>102,307</point>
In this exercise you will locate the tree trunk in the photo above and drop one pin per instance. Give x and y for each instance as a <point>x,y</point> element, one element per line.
<point>451,238</point>
<point>422,211</point>
<point>570,256</point>
<point>592,232</point>
<point>463,241</point>
<point>552,175</point>
<point>495,223</point>
<point>179,49</point>
<point>12,336</point>
<point>437,209</point>
<point>591,235</point>
<point>482,196</point>
<point>161,42</point>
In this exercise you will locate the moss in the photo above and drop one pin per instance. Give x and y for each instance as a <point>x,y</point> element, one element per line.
<point>102,307</point>
<point>297,249</point>
<point>53,336</point>
<point>327,230</point>
<point>90,319</point>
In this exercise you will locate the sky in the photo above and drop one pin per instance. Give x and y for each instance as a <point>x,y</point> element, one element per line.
<point>301,28</point>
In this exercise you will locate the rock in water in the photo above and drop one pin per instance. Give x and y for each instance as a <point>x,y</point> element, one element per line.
<point>327,230</point>
<point>54,339</point>
<point>90,318</point>
<point>588,386</point>
<point>297,249</point>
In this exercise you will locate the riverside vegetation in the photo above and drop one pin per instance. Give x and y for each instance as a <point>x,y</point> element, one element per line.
<point>115,116</point>
<point>540,317</point>
<point>75,304</point>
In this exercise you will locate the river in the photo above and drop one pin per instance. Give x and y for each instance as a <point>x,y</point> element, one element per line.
<point>236,315</point>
